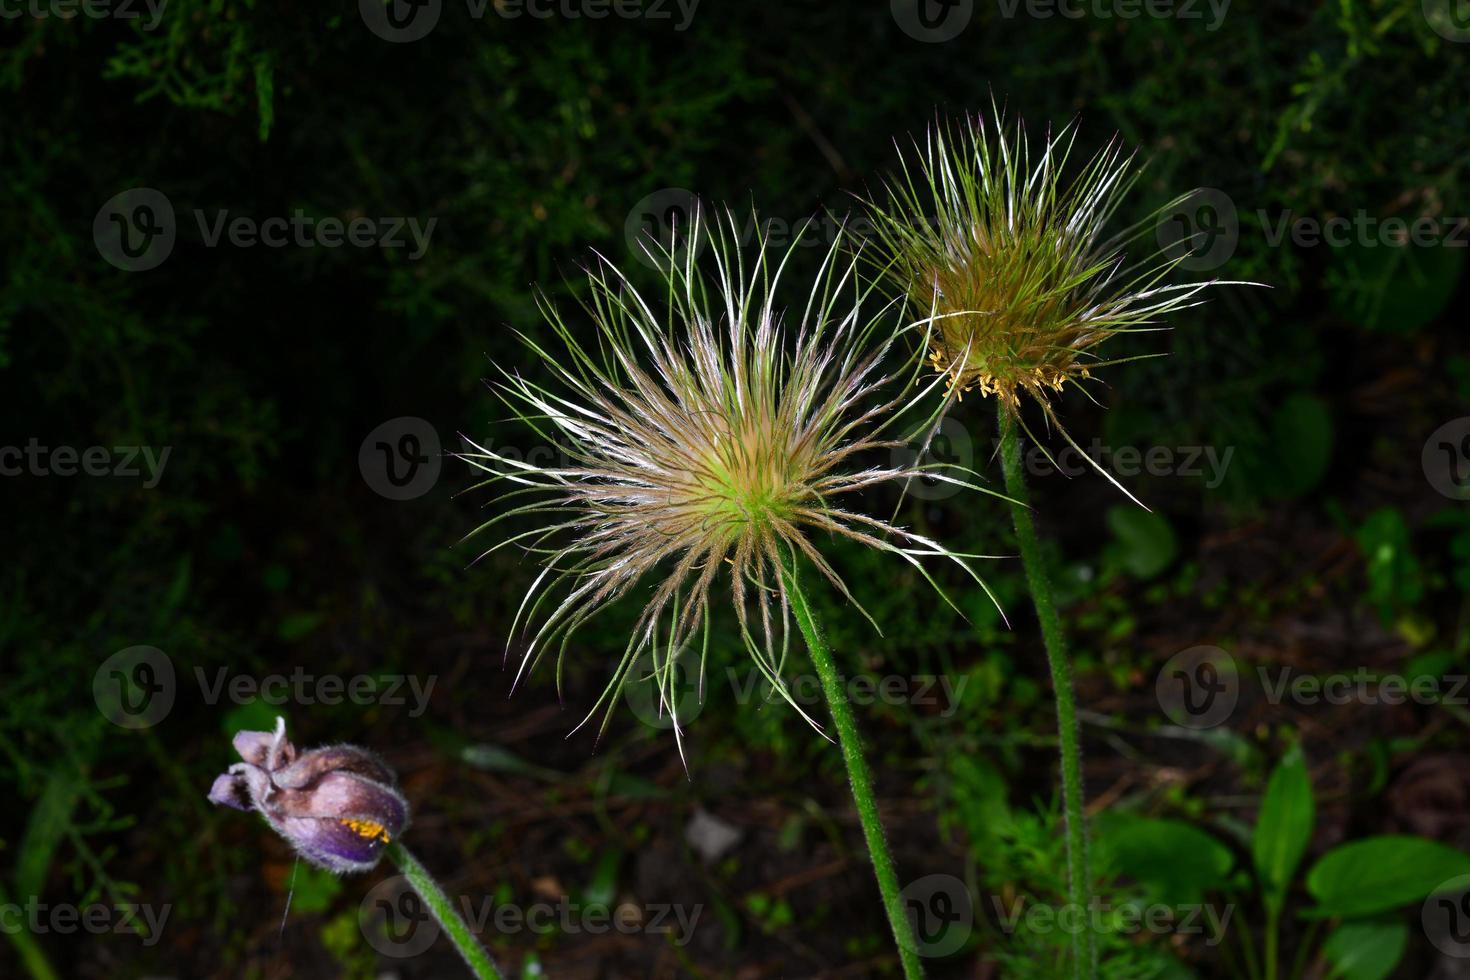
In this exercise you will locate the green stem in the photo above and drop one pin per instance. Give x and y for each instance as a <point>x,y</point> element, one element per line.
<point>858,775</point>
<point>444,912</point>
<point>1079,876</point>
<point>1273,941</point>
<point>27,948</point>
<point>1248,942</point>
<point>1303,951</point>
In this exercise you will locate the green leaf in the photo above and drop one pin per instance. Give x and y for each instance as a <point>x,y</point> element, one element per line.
<point>1395,578</point>
<point>313,890</point>
<point>1374,875</point>
<point>496,758</point>
<point>1284,826</point>
<point>627,787</point>
<point>1365,950</point>
<point>1177,861</point>
<point>977,801</point>
<point>297,625</point>
<point>1393,289</point>
<point>49,822</point>
<point>1144,541</point>
<point>178,590</point>
<point>1301,438</point>
<point>603,888</point>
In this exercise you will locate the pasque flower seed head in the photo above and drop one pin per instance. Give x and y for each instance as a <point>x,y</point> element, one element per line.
<point>1008,255</point>
<point>706,434</point>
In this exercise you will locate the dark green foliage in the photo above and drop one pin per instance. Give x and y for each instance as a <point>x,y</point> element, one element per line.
<point>262,548</point>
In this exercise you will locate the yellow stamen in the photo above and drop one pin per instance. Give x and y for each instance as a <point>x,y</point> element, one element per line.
<point>368,829</point>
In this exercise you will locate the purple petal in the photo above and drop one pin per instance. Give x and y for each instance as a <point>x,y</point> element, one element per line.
<point>255,747</point>
<point>343,796</point>
<point>331,844</point>
<point>337,796</point>
<point>230,790</point>
<point>346,758</point>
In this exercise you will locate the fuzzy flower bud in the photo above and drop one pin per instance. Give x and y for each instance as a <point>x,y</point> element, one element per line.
<point>337,805</point>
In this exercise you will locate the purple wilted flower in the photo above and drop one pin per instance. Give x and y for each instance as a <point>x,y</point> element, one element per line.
<point>337,805</point>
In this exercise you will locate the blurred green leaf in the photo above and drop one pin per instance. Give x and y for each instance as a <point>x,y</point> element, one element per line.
<point>1301,444</point>
<point>299,624</point>
<point>603,888</point>
<point>496,758</point>
<point>1395,581</point>
<point>1178,861</point>
<point>1365,950</point>
<point>633,788</point>
<point>1378,874</point>
<point>49,823</point>
<point>977,794</point>
<point>1394,289</point>
<point>1284,826</point>
<point>312,889</point>
<point>1144,543</point>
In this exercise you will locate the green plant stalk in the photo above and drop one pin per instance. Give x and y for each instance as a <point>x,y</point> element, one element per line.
<point>444,912</point>
<point>1247,938</point>
<point>1079,873</point>
<point>858,774</point>
<point>1273,941</point>
<point>30,952</point>
<point>1304,949</point>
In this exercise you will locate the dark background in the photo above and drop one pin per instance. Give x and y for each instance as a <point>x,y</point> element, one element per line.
<point>266,547</point>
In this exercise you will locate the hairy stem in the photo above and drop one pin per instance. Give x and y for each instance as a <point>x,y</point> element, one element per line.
<point>444,912</point>
<point>858,775</point>
<point>1079,875</point>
